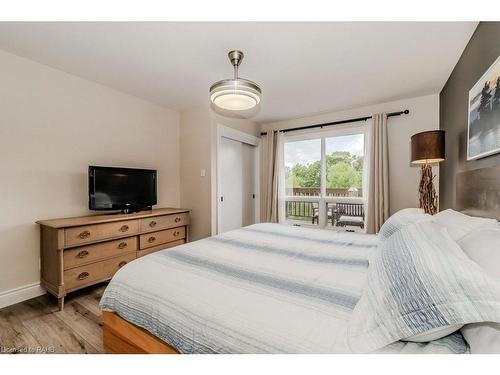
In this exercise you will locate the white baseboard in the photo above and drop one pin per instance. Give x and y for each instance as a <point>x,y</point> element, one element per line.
<point>23,293</point>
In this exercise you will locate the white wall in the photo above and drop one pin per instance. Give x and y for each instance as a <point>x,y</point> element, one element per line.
<point>52,127</point>
<point>198,152</point>
<point>403,178</point>
<point>195,155</point>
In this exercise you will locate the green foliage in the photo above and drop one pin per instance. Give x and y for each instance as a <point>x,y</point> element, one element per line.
<point>304,175</point>
<point>344,170</point>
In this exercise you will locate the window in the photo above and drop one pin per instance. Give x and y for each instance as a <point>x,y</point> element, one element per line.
<point>302,161</point>
<point>344,165</point>
<point>303,167</point>
<point>323,178</point>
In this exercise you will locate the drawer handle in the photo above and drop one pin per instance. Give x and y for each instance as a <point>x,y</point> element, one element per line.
<point>152,224</point>
<point>151,239</point>
<point>83,254</point>
<point>176,233</point>
<point>177,219</point>
<point>84,234</point>
<point>83,276</point>
<point>122,263</point>
<point>124,228</point>
<point>122,245</point>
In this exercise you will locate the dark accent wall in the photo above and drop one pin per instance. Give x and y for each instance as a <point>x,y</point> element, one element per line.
<point>481,51</point>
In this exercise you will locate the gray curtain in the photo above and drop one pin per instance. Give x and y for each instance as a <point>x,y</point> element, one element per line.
<point>378,174</point>
<point>271,175</point>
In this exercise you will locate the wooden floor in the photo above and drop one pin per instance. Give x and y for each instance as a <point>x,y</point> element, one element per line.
<point>37,325</point>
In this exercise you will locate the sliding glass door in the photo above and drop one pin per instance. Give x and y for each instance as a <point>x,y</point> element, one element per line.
<point>323,174</point>
<point>302,168</point>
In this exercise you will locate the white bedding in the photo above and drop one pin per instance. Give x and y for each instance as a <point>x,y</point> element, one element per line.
<point>266,288</point>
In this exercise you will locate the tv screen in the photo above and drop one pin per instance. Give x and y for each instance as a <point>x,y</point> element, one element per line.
<point>125,189</point>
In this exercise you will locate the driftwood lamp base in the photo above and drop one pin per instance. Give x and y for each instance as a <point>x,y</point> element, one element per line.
<point>427,193</point>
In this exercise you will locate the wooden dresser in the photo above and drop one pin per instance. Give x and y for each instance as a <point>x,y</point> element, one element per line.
<point>81,251</point>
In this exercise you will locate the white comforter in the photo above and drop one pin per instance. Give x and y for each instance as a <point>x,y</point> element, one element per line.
<point>266,288</point>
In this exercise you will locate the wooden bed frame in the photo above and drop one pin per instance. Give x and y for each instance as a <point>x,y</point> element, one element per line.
<point>123,337</point>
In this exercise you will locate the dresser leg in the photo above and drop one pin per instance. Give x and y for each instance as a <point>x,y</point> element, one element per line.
<point>60,303</point>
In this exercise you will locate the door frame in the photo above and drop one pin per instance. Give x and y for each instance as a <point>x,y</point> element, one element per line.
<point>239,136</point>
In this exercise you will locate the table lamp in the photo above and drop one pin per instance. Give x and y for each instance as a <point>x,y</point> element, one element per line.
<point>427,148</point>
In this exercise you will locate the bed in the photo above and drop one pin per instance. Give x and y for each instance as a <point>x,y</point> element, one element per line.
<point>266,288</point>
<point>420,286</point>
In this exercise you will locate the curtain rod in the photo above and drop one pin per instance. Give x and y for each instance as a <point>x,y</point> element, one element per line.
<point>405,112</point>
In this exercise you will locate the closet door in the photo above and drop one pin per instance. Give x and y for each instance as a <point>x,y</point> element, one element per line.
<point>231,189</point>
<point>248,163</point>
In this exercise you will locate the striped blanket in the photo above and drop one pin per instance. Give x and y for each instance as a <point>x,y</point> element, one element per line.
<point>266,288</point>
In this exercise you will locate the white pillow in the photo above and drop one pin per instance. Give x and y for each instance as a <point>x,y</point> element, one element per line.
<point>400,219</point>
<point>483,338</point>
<point>483,247</point>
<point>420,286</point>
<point>459,224</point>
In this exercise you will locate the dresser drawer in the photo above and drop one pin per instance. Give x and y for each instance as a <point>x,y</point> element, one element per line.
<point>81,276</point>
<point>87,254</point>
<point>164,236</point>
<point>154,249</point>
<point>90,233</point>
<point>163,222</point>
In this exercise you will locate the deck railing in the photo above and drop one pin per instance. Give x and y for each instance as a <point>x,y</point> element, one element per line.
<point>306,209</point>
<point>299,209</point>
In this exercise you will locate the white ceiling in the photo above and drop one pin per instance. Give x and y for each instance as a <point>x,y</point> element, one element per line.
<point>303,68</point>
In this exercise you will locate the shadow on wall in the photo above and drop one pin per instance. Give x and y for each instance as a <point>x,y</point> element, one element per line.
<point>462,144</point>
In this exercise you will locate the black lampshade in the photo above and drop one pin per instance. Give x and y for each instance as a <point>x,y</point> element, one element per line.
<point>427,147</point>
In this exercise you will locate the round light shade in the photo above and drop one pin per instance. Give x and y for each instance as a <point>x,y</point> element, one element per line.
<point>235,94</point>
<point>428,147</point>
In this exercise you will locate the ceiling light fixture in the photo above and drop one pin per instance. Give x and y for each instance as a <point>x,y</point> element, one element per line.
<point>237,94</point>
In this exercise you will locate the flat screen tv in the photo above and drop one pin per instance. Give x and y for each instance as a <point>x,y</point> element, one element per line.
<point>124,189</point>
